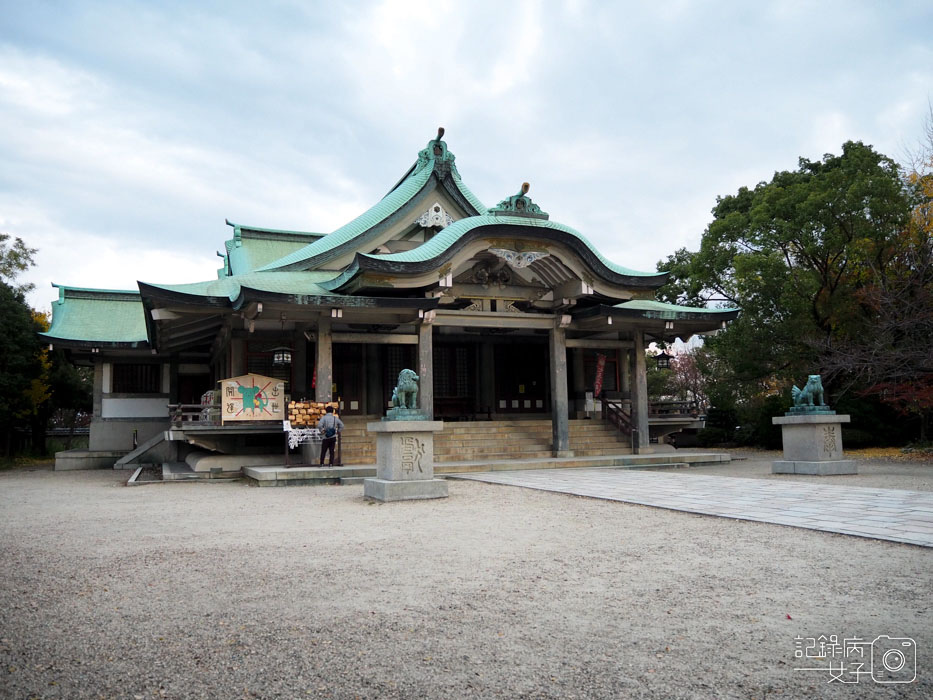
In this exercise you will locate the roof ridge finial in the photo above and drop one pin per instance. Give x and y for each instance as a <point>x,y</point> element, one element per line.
<point>519,204</point>
<point>436,151</point>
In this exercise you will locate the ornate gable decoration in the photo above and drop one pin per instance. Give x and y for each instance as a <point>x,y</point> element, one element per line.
<point>436,152</point>
<point>519,259</point>
<point>519,205</point>
<point>435,217</point>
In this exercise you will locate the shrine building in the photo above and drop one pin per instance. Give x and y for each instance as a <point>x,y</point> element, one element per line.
<point>505,314</point>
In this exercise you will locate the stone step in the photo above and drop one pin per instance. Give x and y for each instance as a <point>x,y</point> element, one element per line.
<point>493,440</point>
<point>272,476</point>
<point>492,457</point>
<point>615,461</point>
<point>600,451</point>
<point>458,441</point>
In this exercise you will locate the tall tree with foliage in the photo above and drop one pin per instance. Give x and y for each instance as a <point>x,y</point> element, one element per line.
<point>892,358</point>
<point>804,256</point>
<point>34,381</point>
<point>20,348</point>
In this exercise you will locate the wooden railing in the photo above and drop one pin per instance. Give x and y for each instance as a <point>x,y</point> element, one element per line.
<point>617,416</point>
<point>673,409</point>
<point>181,413</point>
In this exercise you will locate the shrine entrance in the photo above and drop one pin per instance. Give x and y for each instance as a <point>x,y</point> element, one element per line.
<point>348,378</point>
<point>455,385</point>
<point>521,372</point>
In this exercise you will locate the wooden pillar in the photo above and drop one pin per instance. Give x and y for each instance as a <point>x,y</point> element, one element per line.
<point>237,357</point>
<point>560,424</point>
<point>299,366</point>
<point>487,378</point>
<point>625,358</point>
<point>324,362</point>
<point>374,380</point>
<point>173,381</point>
<point>640,391</point>
<point>426,367</point>
<point>579,380</point>
<point>99,389</point>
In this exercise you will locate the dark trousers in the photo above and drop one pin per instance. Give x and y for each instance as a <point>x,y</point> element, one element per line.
<point>328,444</point>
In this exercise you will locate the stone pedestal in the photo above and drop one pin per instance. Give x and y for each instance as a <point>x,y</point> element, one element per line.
<point>404,461</point>
<point>813,445</point>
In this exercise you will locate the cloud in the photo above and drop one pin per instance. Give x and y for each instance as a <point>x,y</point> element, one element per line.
<point>140,127</point>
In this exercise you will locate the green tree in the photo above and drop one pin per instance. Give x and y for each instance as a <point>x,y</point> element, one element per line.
<point>813,258</point>
<point>20,363</point>
<point>33,381</point>
<point>891,358</point>
<point>792,253</point>
<point>15,257</point>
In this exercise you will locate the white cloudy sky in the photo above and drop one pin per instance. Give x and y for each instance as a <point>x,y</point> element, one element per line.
<point>130,130</point>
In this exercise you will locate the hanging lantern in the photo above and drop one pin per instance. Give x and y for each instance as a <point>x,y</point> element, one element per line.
<point>282,356</point>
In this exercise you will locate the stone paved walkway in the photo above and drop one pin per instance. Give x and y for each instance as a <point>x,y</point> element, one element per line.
<point>885,514</point>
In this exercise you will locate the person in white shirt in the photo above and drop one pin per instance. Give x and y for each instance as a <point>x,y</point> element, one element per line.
<point>329,425</point>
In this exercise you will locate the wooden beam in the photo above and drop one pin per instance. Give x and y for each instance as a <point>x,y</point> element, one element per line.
<point>369,338</point>
<point>164,315</point>
<point>376,338</point>
<point>492,319</point>
<point>596,344</point>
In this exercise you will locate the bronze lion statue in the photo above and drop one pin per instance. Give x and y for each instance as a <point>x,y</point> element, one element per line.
<point>405,393</point>
<point>813,391</point>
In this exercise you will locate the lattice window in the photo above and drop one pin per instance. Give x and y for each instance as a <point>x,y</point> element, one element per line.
<point>259,360</point>
<point>442,383</point>
<point>462,370</point>
<point>137,379</point>
<point>398,357</point>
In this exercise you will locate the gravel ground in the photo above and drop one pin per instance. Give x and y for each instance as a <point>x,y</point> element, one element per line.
<point>913,475</point>
<point>220,590</point>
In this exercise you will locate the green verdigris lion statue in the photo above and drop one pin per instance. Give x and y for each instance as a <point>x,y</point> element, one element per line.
<point>813,391</point>
<point>405,394</point>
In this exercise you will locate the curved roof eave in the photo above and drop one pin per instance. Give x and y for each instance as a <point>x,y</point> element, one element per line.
<point>84,317</point>
<point>335,243</point>
<point>248,295</point>
<point>648,309</point>
<point>447,242</point>
<point>415,180</point>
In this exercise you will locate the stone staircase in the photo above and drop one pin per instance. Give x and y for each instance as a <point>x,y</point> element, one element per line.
<point>492,440</point>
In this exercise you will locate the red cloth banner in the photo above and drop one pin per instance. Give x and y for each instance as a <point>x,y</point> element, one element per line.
<point>600,371</point>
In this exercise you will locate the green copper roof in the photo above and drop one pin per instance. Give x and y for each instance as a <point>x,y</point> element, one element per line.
<point>661,307</point>
<point>435,158</point>
<point>365,221</point>
<point>450,235</point>
<point>300,282</point>
<point>97,315</point>
<point>253,247</point>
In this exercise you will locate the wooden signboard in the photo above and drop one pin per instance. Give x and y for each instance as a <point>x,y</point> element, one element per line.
<point>252,397</point>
